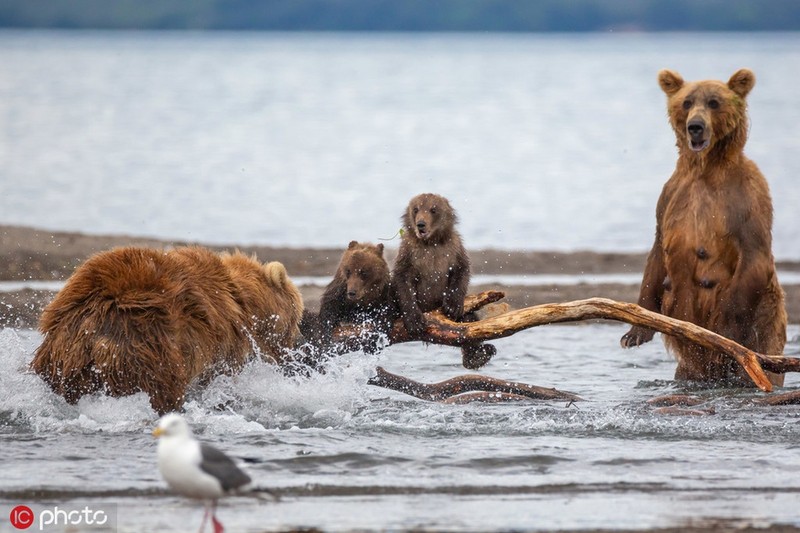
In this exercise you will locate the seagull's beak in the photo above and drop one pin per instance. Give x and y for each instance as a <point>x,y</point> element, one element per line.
<point>158,432</point>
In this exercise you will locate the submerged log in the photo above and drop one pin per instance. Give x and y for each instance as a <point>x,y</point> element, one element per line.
<point>680,411</point>
<point>441,330</point>
<point>787,398</point>
<point>484,397</point>
<point>672,400</point>
<point>468,388</point>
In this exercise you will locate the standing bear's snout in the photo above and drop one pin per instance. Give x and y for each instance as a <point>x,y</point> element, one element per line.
<point>698,133</point>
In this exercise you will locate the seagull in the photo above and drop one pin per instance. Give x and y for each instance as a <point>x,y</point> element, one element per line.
<point>195,469</point>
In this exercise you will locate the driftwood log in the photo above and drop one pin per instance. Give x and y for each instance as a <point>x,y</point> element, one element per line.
<point>441,330</point>
<point>682,400</point>
<point>787,398</point>
<point>468,388</point>
<point>672,400</point>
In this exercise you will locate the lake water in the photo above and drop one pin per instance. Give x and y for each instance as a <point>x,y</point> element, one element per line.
<point>343,455</point>
<point>541,142</point>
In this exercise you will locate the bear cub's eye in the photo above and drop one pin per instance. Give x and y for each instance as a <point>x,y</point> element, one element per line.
<point>713,104</point>
<point>687,104</point>
<point>415,210</point>
<point>433,210</point>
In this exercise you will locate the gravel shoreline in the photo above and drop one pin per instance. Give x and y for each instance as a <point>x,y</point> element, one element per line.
<point>28,254</point>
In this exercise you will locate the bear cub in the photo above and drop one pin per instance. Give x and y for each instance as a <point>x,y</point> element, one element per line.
<point>358,294</point>
<point>432,271</point>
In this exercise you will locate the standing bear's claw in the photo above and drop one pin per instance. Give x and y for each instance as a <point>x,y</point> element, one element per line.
<point>636,336</point>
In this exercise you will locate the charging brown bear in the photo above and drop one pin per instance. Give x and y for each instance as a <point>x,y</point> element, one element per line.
<point>711,263</point>
<point>139,319</point>
<point>432,271</point>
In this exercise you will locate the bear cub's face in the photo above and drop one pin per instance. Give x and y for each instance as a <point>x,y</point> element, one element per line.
<point>365,272</point>
<point>704,112</point>
<point>429,217</point>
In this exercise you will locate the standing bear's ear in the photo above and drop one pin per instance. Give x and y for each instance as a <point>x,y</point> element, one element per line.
<point>742,82</point>
<point>670,81</point>
<point>379,248</point>
<point>352,245</point>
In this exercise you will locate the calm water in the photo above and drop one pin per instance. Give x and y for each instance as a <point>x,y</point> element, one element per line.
<point>343,455</point>
<point>541,142</point>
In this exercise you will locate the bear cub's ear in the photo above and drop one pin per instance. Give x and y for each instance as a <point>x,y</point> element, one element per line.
<point>670,81</point>
<point>742,82</point>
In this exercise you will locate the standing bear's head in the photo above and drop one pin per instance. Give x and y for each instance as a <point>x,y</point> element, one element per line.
<point>708,116</point>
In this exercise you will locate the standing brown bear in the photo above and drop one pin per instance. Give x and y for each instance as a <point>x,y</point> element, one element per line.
<point>358,294</point>
<point>140,319</point>
<point>711,262</point>
<point>432,271</point>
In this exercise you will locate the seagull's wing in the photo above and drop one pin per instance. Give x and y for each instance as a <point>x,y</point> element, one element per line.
<point>219,465</point>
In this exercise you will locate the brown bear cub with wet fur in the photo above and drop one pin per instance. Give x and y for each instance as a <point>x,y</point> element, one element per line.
<point>139,319</point>
<point>432,271</point>
<point>358,294</point>
<point>711,262</point>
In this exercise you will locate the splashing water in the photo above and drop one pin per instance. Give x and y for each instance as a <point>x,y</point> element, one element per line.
<point>345,455</point>
<point>259,397</point>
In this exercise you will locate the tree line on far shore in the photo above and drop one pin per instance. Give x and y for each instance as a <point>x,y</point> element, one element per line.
<point>406,15</point>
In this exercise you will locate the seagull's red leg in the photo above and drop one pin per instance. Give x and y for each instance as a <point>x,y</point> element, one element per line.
<point>205,517</point>
<point>217,524</point>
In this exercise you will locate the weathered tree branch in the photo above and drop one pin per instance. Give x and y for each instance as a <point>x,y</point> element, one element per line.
<point>398,334</point>
<point>441,330</point>
<point>787,398</point>
<point>473,302</point>
<point>671,400</point>
<point>468,388</point>
<point>602,308</point>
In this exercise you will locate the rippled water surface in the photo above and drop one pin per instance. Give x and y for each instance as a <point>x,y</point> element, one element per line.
<point>344,455</point>
<point>540,141</point>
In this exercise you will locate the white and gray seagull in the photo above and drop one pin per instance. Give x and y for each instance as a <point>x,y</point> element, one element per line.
<point>195,469</point>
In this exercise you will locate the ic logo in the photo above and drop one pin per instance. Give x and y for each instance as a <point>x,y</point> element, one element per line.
<point>21,517</point>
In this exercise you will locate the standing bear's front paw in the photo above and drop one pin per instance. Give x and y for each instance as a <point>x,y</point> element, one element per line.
<point>636,336</point>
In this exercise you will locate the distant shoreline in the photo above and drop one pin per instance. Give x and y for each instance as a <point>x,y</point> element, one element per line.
<point>371,15</point>
<point>31,254</point>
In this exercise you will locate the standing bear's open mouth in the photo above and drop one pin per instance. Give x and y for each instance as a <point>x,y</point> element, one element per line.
<point>698,134</point>
<point>699,145</point>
